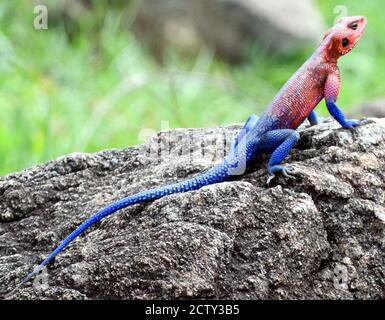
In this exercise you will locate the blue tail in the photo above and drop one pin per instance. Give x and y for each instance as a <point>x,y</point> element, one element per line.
<point>217,174</point>
<point>240,153</point>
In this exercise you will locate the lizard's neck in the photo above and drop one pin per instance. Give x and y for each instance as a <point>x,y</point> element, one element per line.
<point>326,51</point>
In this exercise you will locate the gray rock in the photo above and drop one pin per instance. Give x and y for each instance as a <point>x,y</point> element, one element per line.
<point>319,235</point>
<point>230,26</point>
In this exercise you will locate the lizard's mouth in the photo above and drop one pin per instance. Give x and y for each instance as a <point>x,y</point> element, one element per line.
<point>360,31</point>
<point>361,28</point>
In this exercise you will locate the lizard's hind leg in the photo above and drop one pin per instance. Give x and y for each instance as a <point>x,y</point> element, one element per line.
<point>279,143</point>
<point>250,123</point>
<point>241,152</point>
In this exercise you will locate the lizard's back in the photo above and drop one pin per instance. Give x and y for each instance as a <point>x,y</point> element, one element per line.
<point>300,94</point>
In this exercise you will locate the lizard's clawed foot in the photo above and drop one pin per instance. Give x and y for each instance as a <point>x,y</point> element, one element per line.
<point>365,121</point>
<point>350,124</point>
<point>285,170</point>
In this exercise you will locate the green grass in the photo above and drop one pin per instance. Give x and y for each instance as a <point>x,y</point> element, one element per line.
<point>103,88</point>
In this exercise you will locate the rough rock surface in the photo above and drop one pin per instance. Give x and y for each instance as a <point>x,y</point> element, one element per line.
<point>319,235</point>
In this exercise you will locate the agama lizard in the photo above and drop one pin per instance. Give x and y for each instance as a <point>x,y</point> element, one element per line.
<point>273,133</point>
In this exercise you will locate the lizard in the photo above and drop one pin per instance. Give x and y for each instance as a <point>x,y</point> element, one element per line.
<point>274,132</point>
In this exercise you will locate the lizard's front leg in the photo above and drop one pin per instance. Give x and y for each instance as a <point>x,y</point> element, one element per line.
<point>279,143</point>
<point>249,124</point>
<point>332,87</point>
<point>313,119</point>
<point>339,116</point>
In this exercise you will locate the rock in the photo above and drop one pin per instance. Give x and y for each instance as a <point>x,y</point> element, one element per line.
<point>230,26</point>
<point>373,108</point>
<point>319,235</point>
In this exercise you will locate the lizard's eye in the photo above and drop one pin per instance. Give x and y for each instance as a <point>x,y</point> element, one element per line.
<point>345,42</point>
<point>354,26</point>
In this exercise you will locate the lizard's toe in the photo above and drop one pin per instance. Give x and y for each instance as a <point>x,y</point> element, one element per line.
<point>285,170</point>
<point>352,123</point>
<point>289,169</point>
<point>271,177</point>
<point>365,121</point>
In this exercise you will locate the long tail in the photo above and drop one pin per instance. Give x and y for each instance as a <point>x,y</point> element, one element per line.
<point>217,174</point>
<point>241,153</point>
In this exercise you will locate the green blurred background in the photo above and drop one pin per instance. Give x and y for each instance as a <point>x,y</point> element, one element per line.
<point>98,87</point>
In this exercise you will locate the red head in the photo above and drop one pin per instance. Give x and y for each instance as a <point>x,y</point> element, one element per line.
<point>342,38</point>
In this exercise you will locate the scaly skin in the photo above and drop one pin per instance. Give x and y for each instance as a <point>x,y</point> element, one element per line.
<point>273,133</point>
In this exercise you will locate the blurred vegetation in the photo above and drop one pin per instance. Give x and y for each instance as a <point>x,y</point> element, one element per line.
<point>101,88</point>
